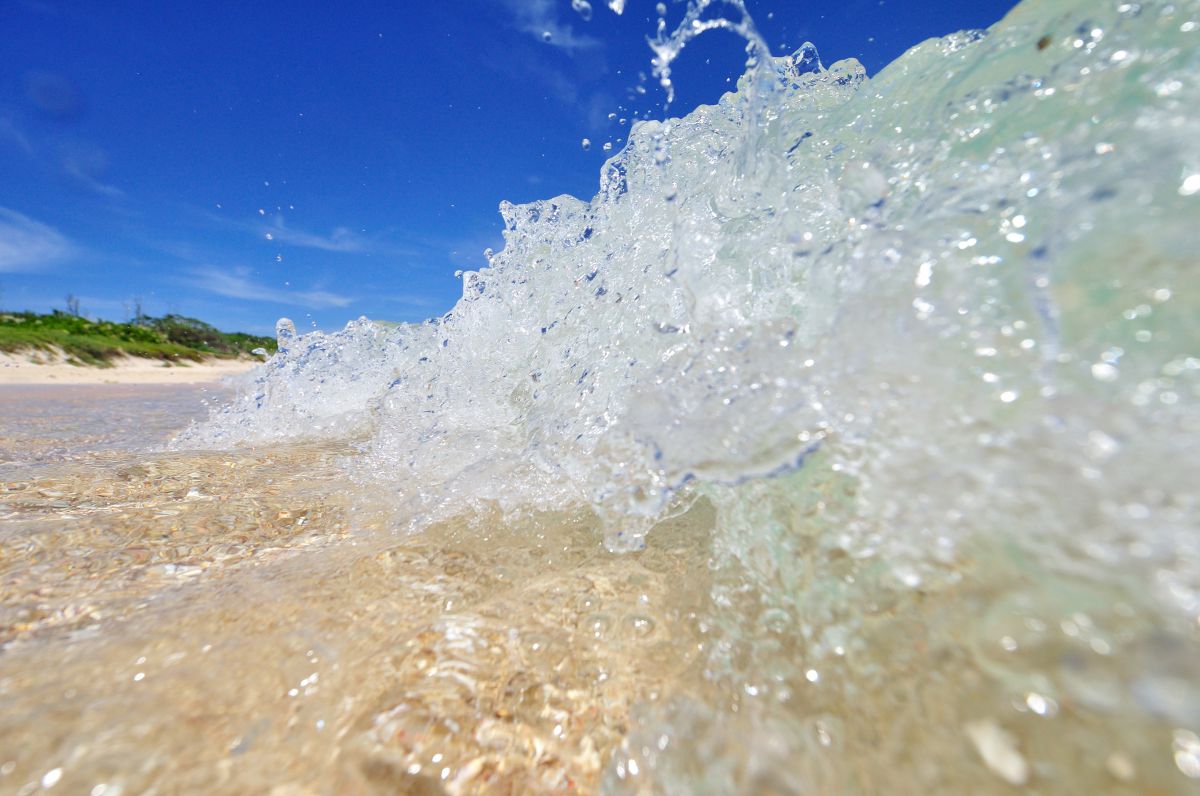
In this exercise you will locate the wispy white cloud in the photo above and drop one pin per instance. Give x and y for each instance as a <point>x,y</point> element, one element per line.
<point>29,245</point>
<point>10,132</point>
<point>87,165</point>
<point>236,283</point>
<point>103,188</point>
<point>539,18</point>
<point>341,239</point>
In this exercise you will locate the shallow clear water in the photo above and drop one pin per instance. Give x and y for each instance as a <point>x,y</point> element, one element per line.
<point>239,622</point>
<point>844,442</point>
<point>53,423</point>
<point>252,622</point>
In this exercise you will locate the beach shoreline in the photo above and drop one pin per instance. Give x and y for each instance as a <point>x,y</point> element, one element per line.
<point>47,368</point>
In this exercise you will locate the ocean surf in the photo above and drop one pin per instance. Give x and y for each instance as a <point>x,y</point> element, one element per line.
<point>844,442</point>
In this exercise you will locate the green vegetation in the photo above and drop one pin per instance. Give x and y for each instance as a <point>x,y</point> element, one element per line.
<point>173,338</point>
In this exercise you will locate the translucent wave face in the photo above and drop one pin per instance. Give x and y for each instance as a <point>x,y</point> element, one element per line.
<point>962,289</point>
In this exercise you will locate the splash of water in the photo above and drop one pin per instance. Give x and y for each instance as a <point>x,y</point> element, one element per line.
<point>698,20</point>
<point>885,327</point>
<point>960,285</point>
<point>892,331</point>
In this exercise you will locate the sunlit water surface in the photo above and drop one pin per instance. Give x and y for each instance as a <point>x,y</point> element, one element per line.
<point>247,622</point>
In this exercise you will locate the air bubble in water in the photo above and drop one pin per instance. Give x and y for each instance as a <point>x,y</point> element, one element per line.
<point>586,144</point>
<point>617,6</point>
<point>546,36</point>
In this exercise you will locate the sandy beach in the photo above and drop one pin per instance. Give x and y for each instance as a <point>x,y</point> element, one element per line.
<point>40,367</point>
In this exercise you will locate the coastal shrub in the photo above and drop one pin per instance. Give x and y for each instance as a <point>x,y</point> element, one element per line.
<point>172,338</point>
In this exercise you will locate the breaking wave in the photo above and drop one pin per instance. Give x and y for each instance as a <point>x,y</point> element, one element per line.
<point>961,284</point>
<point>885,326</point>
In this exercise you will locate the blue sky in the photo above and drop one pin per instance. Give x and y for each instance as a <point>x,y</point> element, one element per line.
<point>242,161</point>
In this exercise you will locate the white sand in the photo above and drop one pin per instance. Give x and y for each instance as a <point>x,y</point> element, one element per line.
<point>41,367</point>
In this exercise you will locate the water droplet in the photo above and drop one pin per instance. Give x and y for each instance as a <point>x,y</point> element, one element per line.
<point>583,8</point>
<point>285,333</point>
<point>546,36</point>
<point>586,144</point>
